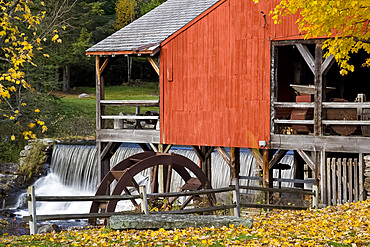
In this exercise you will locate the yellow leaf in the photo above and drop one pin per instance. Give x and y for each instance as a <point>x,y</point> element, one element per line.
<point>56,36</point>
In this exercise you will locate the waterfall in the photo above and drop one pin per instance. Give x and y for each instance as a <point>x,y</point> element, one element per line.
<point>73,171</point>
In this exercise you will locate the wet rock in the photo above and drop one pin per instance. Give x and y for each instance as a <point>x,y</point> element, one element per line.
<point>48,228</point>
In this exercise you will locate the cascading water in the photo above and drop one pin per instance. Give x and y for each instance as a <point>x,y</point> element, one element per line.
<point>73,172</point>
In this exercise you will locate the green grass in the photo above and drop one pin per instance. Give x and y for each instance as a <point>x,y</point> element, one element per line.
<point>76,116</point>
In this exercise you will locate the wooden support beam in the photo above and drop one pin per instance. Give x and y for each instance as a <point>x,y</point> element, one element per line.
<point>154,64</point>
<point>307,56</point>
<point>326,65</point>
<point>154,147</point>
<point>266,174</point>
<point>144,146</point>
<point>167,148</point>
<point>225,155</point>
<point>104,65</point>
<point>109,150</point>
<point>277,157</point>
<point>318,91</point>
<point>199,153</point>
<point>361,171</point>
<point>234,163</point>
<point>257,155</point>
<point>307,159</point>
<point>266,169</point>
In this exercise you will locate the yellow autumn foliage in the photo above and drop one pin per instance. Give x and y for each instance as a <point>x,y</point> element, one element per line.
<point>342,225</point>
<point>344,23</point>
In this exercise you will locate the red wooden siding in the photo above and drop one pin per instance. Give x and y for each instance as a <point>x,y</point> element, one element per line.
<point>215,77</point>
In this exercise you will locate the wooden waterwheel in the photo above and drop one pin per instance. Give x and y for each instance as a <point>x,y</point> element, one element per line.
<point>124,172</point>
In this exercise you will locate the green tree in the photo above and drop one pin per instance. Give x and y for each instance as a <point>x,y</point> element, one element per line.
<point>125,10</point>
<point>344,23</point>
<point>149,5</point>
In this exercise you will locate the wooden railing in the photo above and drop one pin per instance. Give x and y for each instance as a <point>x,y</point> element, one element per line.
<point>236,205</point>
<point>282,118</point>
<point>136,119</point>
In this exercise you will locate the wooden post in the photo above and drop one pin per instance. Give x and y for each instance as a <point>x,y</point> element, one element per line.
<point>328,181</point>
<point>236,197</point>
<point>32,209</point>
<point>266,173</point>
<point>318,91</point>
<point>235,163</point>
<point>334,181</point>
<point>339,180</point>
<point>144,200</point>
<point>361,177</point>
<point>161,176</point>
<point>323,178</point>
<point>355,182</point>
<point>315,197</point>
<point>104,164</point>
<point>350,180</point>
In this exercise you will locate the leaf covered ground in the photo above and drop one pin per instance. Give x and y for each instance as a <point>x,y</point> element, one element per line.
<point>342,225</point>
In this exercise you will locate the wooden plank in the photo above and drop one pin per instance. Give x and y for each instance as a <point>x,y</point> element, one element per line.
<point>344,180</point>
<point>76,216</point>
<point>154,64</point>
<point>257,156</point>
<point>346,122</point>
<point>294,105</point>
<point>345,105</point>
<point>355,179</point>
<point>348,144</point>
<point>361,177</point>
<point>323,180</point>
<point>274,87</point>
<point>318,131</point>
<point>199,153</point>
<point>32,221</point>
<point>326,65</point>
<point>287,121</point>
<point>334,181</point>
<point>130,117</point>
<point>130,102</point>
<point>282,190</point>
<point>287,180</point>
<point>104,65</point>
<point>339,180</point>
<point>328,181</point>
<point>307,56</point>
<point>350,180</point>
<point>234,163</point>
<point>307,159</point>
<point>225,155</point>
<point>326,105</point>
<point>277,158</point>
<point>109,150</point>
<point>128,135</point>
<point>292,42</point>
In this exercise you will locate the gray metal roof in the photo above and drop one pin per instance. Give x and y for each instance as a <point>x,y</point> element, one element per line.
<point>153,27</point>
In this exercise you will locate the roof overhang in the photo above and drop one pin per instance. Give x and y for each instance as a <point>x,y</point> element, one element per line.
<point>151,50</point>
